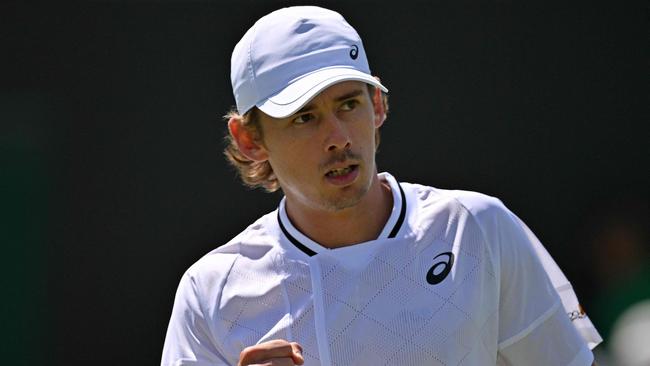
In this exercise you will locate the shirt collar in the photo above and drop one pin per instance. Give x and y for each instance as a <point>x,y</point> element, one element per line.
<point>390,230</point>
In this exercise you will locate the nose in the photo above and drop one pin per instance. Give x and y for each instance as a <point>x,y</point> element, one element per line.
<point>337,133</point>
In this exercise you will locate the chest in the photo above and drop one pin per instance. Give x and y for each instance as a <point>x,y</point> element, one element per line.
<point>430,302</point>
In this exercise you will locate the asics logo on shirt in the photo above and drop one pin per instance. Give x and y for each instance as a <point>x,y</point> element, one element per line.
<point>439,271</point>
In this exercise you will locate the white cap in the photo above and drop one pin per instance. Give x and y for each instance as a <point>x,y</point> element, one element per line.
<point>290,55</point>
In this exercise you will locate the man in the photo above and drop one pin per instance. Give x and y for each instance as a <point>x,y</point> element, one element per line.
<point>354,268</point>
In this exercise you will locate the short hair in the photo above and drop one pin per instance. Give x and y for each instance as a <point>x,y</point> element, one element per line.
<point>259,174</point>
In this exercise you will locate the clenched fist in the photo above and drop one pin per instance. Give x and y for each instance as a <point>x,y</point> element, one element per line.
<point>272,353</point>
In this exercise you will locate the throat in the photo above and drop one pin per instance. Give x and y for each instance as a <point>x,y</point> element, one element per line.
<point>353,225</point>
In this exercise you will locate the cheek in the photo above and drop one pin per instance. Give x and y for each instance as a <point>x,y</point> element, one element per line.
<point>365,133</point>
<point>292,159</point>
<point>365,119</point>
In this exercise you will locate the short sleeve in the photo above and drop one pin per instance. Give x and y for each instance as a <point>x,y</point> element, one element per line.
<point>550,340</point>
<point>570,304</point>
<point>534,329</point>
<point>188,340</point>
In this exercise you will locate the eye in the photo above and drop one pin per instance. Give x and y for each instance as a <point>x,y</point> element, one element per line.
<point>303,118</point>
<point>349,105</point>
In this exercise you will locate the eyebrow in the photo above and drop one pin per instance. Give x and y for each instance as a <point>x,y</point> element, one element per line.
<point>352,94</point>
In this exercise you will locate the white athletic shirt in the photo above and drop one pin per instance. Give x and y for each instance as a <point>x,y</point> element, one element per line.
<point>454,278</point>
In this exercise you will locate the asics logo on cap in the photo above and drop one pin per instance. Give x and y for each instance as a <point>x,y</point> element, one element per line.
<point>434,278</point>
<point>354,52</point>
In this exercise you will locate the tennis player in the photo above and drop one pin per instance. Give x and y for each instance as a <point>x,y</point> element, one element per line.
<point>355,267</point>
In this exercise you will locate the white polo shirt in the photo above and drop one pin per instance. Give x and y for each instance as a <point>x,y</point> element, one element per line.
<point>454,278</point>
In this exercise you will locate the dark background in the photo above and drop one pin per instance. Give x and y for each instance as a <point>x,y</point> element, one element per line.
<point>113,180</point>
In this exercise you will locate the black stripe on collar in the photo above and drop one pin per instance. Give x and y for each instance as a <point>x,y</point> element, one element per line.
<point>295,241</point>
<point>393,233</point>
<point>402,214</point>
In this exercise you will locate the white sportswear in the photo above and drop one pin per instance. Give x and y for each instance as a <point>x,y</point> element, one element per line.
<point>454,278</point>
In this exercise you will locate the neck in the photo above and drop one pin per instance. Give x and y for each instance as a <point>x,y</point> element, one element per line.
<point>360,223</point>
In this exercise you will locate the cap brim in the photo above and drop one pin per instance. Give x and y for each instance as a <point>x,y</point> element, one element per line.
<point>289,100</point>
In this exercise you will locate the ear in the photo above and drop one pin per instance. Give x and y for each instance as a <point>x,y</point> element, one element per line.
<point>245,140</point>
<point>378,106</point>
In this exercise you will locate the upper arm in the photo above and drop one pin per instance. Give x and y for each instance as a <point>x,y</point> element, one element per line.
<point>532,318</point>
<point>189,340</point>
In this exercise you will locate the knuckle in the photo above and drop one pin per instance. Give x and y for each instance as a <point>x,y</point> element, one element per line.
<point>247,353</point>
<point>274,352</point>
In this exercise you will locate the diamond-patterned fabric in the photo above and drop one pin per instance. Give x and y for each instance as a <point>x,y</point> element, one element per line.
<point>463,282</point>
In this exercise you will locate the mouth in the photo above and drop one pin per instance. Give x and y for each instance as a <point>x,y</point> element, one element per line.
<point>341,171</point>
<point>343,176</point>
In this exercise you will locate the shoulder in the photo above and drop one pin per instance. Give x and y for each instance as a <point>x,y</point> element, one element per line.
<point>467,213</point>
<point>477,204</point>
<point>471,214</point>
<point>209,294</point>
<point>212,270</point>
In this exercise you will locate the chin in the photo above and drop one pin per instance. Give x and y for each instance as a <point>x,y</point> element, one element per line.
<point>349,197</point>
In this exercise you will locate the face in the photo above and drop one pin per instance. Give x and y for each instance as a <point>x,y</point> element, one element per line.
<point>324,155</point>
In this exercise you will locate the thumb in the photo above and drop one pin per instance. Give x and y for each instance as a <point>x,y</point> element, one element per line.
<point>297,353</point>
